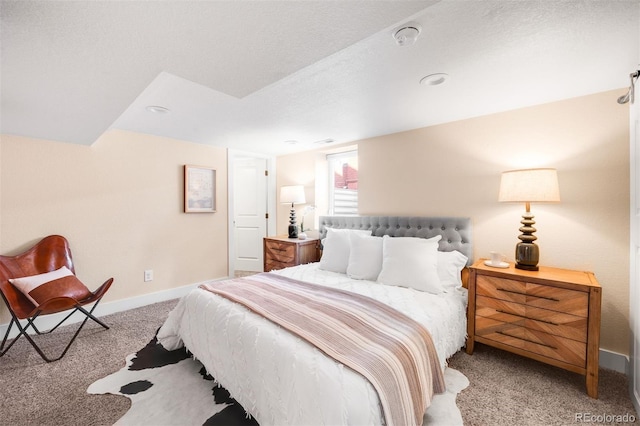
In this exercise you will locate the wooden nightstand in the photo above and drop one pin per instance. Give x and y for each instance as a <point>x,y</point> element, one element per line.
<point>282,252</point>
<point>551,315</point>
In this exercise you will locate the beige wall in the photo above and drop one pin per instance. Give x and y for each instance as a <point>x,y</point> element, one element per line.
<point>119,202</point>
<point>454,169</point>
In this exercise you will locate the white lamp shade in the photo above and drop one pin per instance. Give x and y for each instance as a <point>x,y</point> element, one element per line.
<point>529,185</point>
<point>292,194</point>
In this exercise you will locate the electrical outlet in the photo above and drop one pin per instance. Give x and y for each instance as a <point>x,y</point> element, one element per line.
<point>148,275</point>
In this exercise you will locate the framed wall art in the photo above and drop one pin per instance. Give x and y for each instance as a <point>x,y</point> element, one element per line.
<point>199,189</point>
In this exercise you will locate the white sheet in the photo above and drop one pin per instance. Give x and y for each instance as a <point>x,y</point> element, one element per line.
<point>281,379</point>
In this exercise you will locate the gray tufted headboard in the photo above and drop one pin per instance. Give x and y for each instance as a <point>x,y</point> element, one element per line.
<point>455,231</point>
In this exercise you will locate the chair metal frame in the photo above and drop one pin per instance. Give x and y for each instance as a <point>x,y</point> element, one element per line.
<point>49,254</point>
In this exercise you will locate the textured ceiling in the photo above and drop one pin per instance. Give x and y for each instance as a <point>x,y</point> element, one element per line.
<point>252,74</point>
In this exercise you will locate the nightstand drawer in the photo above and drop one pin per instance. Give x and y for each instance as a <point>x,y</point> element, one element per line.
<point>502,288</point>
<point>552,322</point>
<point>558,299</point>
<point>272,265</point>
<point>538,342</point>
<point>541,296</point>
<point>280,252</point>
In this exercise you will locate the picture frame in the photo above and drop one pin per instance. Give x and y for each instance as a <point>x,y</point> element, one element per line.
<point>199,189</point>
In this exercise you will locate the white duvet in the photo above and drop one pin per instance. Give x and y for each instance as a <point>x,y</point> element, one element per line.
<point>283,380</point>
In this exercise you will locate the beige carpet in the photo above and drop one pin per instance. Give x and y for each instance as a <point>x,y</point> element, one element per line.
<point>505,389</point>
<point>33,392</point>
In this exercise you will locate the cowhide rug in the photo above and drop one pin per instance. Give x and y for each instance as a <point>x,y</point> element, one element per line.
<point>171,388</point>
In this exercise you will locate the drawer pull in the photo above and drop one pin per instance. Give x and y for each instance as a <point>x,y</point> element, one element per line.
<point>526,340</point>
<point>525,317</point>
<point>553,299</point>
<point>511,291</point>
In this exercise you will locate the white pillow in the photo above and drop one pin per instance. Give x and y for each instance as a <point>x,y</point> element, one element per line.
<point>411,262</point>
<point>336,248</point>
<point>37,287</point>
<point>365,258</point>
<point>450,265</point>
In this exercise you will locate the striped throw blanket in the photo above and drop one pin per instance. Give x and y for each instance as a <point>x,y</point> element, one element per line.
<point>394,352</point>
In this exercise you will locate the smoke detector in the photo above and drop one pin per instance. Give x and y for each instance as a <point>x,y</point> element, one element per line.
<point>407,34</point>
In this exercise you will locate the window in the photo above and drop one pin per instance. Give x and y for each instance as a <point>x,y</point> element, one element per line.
<point>343,183</point>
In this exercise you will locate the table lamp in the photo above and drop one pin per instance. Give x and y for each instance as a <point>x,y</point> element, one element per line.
<point>529,186</point>
<point>293,194</point>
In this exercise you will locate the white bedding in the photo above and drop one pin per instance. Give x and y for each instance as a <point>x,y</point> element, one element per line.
<point>281,379</point>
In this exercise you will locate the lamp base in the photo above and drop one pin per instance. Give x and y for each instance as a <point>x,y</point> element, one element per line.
<point>527,267</point>
<point>527,256</point>
<point>293,231</point>
<point>293,228</point>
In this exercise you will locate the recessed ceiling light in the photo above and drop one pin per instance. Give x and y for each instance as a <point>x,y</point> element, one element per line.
<point>434,79</point>
<point>324,141</point>
<point>156,109</point>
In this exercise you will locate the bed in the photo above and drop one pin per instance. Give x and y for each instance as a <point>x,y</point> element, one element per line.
<point>280,378</point>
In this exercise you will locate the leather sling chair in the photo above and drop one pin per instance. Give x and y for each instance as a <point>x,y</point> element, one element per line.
<point>42,281</point>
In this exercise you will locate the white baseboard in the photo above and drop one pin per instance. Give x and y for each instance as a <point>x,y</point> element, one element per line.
<point>614,361</point>
<point>106,308</point>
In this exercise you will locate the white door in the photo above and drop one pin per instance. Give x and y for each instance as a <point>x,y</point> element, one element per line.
<point>249,212</point>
